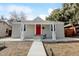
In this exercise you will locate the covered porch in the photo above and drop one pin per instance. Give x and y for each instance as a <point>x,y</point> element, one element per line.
<point>38,31</point>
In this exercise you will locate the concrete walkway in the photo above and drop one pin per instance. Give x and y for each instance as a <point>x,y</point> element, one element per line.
<point>37,49</point>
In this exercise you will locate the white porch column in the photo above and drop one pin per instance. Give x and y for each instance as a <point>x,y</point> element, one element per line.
<point>53,32</point>
<point>22,31</point>
<point>35,29</point>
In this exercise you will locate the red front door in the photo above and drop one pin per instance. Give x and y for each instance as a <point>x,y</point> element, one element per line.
<point>38,29</point>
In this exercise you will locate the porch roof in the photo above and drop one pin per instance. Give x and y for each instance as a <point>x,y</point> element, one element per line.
<point>38,22</point>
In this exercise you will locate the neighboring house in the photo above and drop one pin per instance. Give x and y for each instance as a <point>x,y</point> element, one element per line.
<point>5,29</point>
<point>38,29</point>
<point>70,30</point>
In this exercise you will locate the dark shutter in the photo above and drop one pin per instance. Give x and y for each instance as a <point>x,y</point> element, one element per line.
<point>54,27</point>
<point>51,28</point>
<point>24,27</point>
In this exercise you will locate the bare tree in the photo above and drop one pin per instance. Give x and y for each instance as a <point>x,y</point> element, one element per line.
<point>18,16</point>
<point>2,17</point>
<point>23,16</point>
<point>14,16</point>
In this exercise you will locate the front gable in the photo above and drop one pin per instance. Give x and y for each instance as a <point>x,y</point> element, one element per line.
<point>38,19</point>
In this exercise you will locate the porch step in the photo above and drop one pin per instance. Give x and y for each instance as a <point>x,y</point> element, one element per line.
<point>37,37</point>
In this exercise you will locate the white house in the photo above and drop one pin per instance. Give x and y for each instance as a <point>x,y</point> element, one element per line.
<point>5,29</point>
<point>38,29</point>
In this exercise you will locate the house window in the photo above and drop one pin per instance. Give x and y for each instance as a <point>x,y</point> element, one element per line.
<point>24,27</point>
<point>54,27</point>
<point>51,28</point>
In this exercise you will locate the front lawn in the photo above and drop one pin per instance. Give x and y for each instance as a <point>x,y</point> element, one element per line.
<point>16,48</point>
<point>62,49</point>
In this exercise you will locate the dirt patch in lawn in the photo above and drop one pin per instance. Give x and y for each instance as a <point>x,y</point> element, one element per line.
<point>62,49</point>
<point>16,48</point>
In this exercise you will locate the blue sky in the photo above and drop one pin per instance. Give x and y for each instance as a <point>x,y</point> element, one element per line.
<point>30,9</point>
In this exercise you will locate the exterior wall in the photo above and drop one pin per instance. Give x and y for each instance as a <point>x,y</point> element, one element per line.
<point>30,31</point>
<point>47,31</point>
<point>59,30</point>
<point>16,30</point>
<point>3,27</point>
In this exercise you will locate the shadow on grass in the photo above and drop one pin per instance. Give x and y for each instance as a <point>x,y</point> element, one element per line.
<point>2,48</point>
<point>50,49</point>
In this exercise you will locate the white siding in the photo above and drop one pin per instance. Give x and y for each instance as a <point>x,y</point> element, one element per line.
<point>47,31</point>
<point>16,30</point>
<point>30,31</point>
<point>59,29</point>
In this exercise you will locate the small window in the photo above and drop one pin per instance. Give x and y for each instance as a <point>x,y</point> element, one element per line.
<point>51,28</point>
<point>54,27</point>
<point>24,27</point>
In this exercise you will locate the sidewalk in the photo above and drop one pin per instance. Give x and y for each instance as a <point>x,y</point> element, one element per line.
<point>9,39</point>
<point>14,39</point>
<point>37,49</point>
